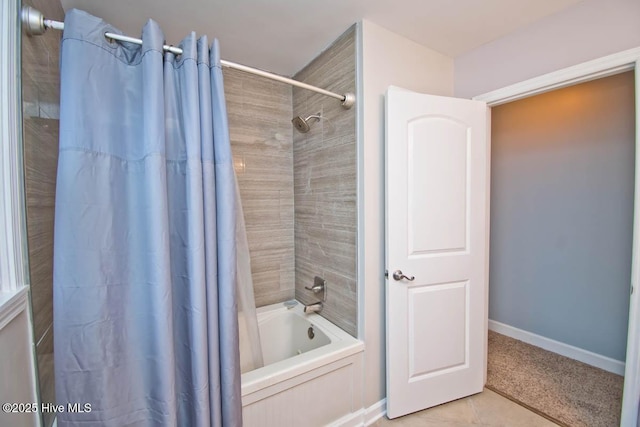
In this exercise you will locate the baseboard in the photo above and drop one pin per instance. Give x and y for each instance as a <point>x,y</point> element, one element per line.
<point>576,353</point>
<point>363,417</point>
<point>374,412</point>
<point>354,419</point>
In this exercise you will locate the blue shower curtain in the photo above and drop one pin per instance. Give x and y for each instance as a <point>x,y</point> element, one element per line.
<point>145,316</point>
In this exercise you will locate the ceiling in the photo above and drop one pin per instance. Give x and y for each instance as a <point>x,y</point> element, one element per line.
<point>282,36</point>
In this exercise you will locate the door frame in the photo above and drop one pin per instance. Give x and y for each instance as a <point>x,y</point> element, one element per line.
<point>598,68</point>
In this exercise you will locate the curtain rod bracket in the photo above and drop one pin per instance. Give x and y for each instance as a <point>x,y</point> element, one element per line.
<point>33,21</point>
<point>349,100</point>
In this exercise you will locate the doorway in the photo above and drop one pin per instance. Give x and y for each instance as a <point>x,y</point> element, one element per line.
<point>407,116</point>
<point>562,194</point>
<point>601,67</point>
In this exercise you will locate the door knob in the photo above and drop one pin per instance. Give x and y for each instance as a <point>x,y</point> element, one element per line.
<point>399,275</point>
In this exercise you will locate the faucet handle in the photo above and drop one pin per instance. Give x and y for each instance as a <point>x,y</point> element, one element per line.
<point>315,288</point>
<point>318,285</point>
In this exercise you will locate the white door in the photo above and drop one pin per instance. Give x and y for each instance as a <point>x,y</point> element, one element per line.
<point>437,234</point>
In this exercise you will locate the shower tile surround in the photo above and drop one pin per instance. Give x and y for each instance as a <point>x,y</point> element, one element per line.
<point>41,106</point>
<point>299,190</point>
<point>259,112</point>
<point>325,184</point>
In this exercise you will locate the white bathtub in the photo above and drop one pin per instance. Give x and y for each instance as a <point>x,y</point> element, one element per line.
<point>305,382</point>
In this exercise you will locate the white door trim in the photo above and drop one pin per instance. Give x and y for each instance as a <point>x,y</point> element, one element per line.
<point>580,73</point>
<point>597,68</point>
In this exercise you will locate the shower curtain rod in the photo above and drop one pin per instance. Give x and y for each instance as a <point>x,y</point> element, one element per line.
<point>35,24</point>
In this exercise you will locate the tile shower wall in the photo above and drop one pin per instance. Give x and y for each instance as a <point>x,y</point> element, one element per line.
<point>325,184</point>
<point>41,105</point>
<point>260,114</point>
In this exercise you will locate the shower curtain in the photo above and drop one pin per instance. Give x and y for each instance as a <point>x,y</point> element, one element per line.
<point>145,255</point>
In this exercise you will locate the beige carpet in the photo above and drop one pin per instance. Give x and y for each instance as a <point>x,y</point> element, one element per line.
<point>566,391</point>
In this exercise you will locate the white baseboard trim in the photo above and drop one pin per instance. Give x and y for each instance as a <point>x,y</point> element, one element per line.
<point>374,412</point>
<point>353,419</point>
<point>364,416</point>
<point>585,356</point>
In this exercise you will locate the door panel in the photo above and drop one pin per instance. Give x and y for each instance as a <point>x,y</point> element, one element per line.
<point>431,163</point>
<point>437,180</point>
<point>429,305</point>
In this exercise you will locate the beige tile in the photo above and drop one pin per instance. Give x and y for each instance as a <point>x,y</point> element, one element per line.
<point>40,160</point>
<point>459,411</point>
<point>274,297</point>
<point>261,139</point>
<point>420,422</point>
<point>44,352</point>
<point>41,99</point>
<point>495,410</point>
<point>325,187</point>
<point>483,409</point>
<point>46,382</point>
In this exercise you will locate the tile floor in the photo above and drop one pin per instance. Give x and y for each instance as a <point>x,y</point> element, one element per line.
<point>484,409</point>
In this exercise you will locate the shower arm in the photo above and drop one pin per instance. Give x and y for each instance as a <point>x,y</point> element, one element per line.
<point>35,24</point>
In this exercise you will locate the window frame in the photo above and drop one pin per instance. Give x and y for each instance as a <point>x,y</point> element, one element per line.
<point>14,264</point>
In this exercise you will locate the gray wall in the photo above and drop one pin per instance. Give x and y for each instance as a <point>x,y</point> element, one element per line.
<point>325,185</point>
<point>561,214</point>
<point>260,114</point>
<point>588,30</point>
<point>41,107</point>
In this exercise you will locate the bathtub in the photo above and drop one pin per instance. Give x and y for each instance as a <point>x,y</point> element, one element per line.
<point>305,381</point>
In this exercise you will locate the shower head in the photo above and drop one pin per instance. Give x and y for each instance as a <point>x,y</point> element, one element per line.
<point>303,125</point>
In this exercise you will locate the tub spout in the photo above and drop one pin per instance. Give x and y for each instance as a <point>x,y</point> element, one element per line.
<point>313,308</point>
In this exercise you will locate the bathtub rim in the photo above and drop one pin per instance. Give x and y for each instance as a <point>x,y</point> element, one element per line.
<point>342,345</point>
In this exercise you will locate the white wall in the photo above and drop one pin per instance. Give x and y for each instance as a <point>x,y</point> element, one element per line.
<point>385,59</point>
<point>589,30</point>
<point>17,364</point>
